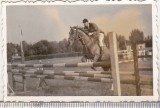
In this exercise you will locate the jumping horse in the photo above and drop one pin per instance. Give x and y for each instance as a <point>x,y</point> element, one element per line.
<point>91,48</point>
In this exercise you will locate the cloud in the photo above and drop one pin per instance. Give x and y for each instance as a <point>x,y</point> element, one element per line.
<point>54,14</point>
<point>53,22</point>
<point>122,23</point>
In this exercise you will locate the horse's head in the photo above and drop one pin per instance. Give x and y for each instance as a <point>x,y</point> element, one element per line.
<point>73,35</point>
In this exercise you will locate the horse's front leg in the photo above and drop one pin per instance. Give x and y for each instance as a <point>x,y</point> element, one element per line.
<point>84,59</point>
<point>96,57</point>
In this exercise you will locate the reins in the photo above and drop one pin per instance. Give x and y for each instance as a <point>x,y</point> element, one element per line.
<point>83,43</point>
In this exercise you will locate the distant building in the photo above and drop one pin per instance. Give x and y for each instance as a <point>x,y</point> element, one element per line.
<point>141,49</point>
<point>141,46</point>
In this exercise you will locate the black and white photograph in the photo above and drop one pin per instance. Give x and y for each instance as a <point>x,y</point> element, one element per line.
<point>80,50</point>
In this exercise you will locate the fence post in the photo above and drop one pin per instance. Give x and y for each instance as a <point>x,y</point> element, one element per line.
<point>136,71</point>
<point>13,79</point>
<point>23,82</point>
<point>114,63</point>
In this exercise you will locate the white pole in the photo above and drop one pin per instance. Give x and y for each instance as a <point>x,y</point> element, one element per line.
<point>114,64</point>
<point>22,52</point>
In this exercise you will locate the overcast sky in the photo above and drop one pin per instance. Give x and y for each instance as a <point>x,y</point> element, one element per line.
<point>53,22</point>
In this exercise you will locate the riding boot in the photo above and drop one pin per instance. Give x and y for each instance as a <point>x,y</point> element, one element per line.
<point>101,50</point>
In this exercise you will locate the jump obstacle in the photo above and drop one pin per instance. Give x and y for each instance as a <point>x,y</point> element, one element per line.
<point>112,76</point>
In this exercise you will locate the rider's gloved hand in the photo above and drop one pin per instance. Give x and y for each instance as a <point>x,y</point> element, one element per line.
<point>90,34</point>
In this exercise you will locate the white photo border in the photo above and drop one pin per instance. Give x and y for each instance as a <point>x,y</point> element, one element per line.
<point>3,62</point>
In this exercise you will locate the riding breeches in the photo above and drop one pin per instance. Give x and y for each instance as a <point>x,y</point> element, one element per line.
<point>101,38</point>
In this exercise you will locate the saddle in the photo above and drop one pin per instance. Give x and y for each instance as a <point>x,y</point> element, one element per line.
<point>96,40</point>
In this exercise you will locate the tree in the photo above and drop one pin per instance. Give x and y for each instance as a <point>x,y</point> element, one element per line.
<point>40,48</point>
<point>26,48</point>
<point>18,47</point>
<point>44,47</point>
<point>121,40</point>
<point>136,36</point>
<point>10,50</point>
<point>63,45</point>
<point>54,46</point>
<point>106,40</point>
<point>148,41</point>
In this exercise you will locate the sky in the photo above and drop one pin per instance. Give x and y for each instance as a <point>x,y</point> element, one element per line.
<point>52,23</point>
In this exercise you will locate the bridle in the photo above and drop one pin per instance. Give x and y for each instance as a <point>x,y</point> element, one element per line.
<point>78,37</point>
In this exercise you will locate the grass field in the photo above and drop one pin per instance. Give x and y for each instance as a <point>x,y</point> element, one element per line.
<point>78,88</point>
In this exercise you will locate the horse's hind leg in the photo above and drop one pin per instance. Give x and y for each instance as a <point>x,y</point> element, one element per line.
<point>96,57</point>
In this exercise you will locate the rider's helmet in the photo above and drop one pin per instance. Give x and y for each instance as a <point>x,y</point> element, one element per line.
<point>85,20</point>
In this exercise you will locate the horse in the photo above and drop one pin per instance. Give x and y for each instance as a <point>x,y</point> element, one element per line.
<point>90,46</point>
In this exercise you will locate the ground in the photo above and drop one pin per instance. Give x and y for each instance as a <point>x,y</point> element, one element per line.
<point>77,88</point>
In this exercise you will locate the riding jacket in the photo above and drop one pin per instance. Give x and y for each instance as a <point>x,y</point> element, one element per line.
<point>93,28</point>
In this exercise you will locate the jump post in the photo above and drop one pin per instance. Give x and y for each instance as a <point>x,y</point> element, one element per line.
<point>114,63</point>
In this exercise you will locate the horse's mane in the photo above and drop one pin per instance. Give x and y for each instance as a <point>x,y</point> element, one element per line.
<point>85,32</point>
<point>82,30</point>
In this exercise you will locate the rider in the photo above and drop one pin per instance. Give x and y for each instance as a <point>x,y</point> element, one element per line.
<point>93,30</point>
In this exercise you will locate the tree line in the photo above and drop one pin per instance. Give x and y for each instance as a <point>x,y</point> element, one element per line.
<point>42,47</point>
<point>45,47</point>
